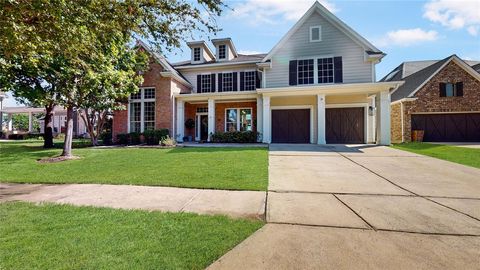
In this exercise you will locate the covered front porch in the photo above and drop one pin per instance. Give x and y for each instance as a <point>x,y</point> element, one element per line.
<point>199,116</point>
<point>319,114</point>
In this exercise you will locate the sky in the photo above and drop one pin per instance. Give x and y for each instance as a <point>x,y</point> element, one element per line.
<point>405,30</point>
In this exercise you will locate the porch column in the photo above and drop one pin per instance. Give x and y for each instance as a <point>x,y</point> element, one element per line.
<point>383,116</point>
<point>9,122</point>
<point>211,118</point>
<point>180,119</point>
<point>321,119</point>
<point>259,117</point>
<point>267,125</point>
<point>30,122</point>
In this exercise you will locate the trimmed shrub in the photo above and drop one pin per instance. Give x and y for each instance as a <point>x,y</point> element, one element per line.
<point>134,138</point>
<point>153,137</point>
<point>122,138</point>
<point>235,137</point>
<point>106,138</point>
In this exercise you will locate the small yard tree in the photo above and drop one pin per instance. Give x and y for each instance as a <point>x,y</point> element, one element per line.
<point>116,77</point>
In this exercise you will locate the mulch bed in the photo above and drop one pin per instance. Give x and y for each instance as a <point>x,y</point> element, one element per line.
<point>57,159</point>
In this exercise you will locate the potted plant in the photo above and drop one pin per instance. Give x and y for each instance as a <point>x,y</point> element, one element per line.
<point>189,124</point>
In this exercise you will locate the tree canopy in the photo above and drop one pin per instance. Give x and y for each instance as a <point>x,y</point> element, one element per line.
<point>52,51</point>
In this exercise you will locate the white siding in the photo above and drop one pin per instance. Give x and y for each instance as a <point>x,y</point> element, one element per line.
<point>334,43</point>
<point>191,75</point>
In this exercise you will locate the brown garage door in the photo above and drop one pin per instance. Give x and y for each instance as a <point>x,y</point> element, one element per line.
<point>291,126</point>
<point>457,127</point>
<point>345,125</point>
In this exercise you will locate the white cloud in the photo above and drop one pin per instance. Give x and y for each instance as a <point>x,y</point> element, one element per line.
<point>248,52</point>
<point>455,14</point>
<point>407,37</point>
<point>267,11</point>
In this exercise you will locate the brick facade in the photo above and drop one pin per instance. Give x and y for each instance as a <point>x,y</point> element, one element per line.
<point>429,100</point>
<point>164,88</point>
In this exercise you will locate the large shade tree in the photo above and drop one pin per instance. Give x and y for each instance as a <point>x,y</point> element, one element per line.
<point>55,46</point>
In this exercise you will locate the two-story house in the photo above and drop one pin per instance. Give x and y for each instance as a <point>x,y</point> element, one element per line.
<point>317,85</point>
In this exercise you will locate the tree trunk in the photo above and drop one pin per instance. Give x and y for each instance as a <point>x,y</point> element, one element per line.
<point>88,119</point>
<point>67,146</point>
<point>48,127</point>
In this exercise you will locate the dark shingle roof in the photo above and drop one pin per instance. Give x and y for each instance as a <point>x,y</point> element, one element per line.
<point>416,73</point>
<point>241,58</point>
<point>414,80</point>
<point>476,67</point>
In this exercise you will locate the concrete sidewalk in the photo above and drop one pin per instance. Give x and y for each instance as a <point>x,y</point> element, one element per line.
<point>237,204</point>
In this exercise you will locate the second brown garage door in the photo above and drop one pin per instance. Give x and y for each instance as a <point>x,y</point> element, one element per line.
<point>291,126</point>
<point>455,127</point>
<point>345,125</point>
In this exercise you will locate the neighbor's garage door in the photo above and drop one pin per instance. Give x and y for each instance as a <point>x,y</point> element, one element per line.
<point>455,127</point>
<point>291,126</point>
<point>345,125</point>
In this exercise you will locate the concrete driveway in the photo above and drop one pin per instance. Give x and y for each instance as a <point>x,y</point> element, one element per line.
<point>364,207</point>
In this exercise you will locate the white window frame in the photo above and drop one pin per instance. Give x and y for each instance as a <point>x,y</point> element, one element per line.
<point>245,81</point>
<point>319,27</point>
<point>199,56</point>
<point>200,87</point>
<point>315,67</point>
<point>223,81</point>
<point>226,52</point>
<point>314,70</point>
<point>333,70</point>
<point>142,101</point>
<point>238,117</point>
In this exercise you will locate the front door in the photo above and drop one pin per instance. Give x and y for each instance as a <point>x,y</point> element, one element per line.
<point>203,127</point>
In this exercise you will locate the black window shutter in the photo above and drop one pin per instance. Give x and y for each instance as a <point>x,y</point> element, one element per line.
<point>212,87</point>
<point>292,78</point>
<point>199,83</point>
<point>258,79</point>
<point>443,89</point>
<point>459,88</point>
<point>338,69</point>
<point>220,83</point>
<point>235,81</point>
<point>242,81</point>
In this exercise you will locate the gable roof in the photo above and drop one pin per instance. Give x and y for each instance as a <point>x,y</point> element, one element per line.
<point>334,20</point>
<point>168,68</point>
<point>416,74</point>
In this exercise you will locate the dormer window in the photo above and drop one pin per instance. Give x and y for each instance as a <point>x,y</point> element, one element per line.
<point>222,51</point>
<point>196,54</point>
<point>315,33</point>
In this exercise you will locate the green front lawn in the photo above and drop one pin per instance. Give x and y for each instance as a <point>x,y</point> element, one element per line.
<point>51,236</point>
<point>462,155</point>
<point>217,168</point>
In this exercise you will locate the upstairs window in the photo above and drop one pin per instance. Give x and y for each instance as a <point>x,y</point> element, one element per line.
<point>222,51</point>
<point>250,80</point>
<point>451,89</point>
<point>206,83</point>
<point>196,54</point>
<point>325,70</point>
<point>305,71</point>
<point>315,33</point>
<point>227,82</point>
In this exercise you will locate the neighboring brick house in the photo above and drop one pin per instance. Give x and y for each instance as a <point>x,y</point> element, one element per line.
<point>442,98</point>
<point>317,85</point>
